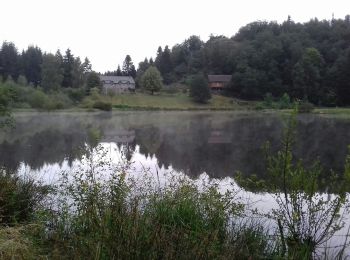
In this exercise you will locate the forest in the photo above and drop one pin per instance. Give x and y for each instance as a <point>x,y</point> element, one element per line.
<point>308,61</point>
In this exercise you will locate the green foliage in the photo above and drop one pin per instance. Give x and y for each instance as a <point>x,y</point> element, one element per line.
<point>305,107</point>
<point>76,95</point>
<point>51,73</point>
<point>173,222</point>
<point>19,198</point>
<point>18,96</point>
<point>9,61</point>
<point>7,96</point>
<point>269,102</point>
<point>151,80</point>
<point>128,67</point>
<point>199,89</point>
<point>173,88</point>
<point>305,217</point>
<point>307,75</point>
<point>38,99</point>
<point>93,81</point>
<point>284,102</point>
<point>103,105</point>
<point>32,60</point>
<point>22,80</point>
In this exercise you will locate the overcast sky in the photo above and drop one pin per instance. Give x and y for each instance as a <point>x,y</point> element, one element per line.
<point>107,30</point>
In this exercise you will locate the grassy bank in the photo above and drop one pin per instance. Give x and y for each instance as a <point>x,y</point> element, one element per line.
<point>178,101</point>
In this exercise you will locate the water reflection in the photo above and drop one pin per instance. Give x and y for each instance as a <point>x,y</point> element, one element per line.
<point>218,144</point>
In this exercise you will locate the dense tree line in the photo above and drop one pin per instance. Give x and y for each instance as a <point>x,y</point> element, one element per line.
<point>307,61</point>
<point>47,70</point>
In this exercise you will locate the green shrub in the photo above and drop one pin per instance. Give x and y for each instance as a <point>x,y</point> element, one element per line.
<point>75,94</point>
<point>120,106</point>
<point>103,105</point>
<point>305,107</point>
<point>284,102</point>
<point>95,94</point>
<point>87,103</point>
<point>19,198</point>
<point>199,89</point>
<point>38,99</point>
<point>60,100</point>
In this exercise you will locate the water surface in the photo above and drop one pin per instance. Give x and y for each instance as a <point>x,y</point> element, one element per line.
<point>216,143</point>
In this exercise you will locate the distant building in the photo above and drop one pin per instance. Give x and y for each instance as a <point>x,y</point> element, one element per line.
<point>117,84</point>
<point>219,82</point>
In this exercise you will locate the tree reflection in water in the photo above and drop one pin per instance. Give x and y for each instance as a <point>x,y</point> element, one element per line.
<point>218,143</point>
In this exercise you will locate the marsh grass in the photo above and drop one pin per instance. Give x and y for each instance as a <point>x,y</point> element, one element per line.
<point>19,198</point>
<point>122,218</point>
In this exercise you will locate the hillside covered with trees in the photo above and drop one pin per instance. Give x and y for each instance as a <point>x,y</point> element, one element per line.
<point>309,61</point>
<point>306,61</point>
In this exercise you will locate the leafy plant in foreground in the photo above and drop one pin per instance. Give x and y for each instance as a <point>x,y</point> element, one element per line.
<point>306,218</point>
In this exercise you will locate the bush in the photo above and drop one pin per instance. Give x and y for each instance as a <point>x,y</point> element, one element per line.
<point>199,89</point>
<point>305,107</point>
<point>284,102</point>
<point>59,100</point>
<point>38,99</point>
<point>75,94</point>
<point>269,102</point>
<point>102,105</point>
<point>19,198</point>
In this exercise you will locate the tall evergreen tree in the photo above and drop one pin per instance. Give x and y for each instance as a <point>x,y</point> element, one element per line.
<point>32,60</point>
<point>51,72</point>
<point>119,71</point>
<point>128,67</point>
<point>68,67</point>
<point>78,73</point>
<point>9,61</point>
<point>87,67</point>
<point>143,66</point>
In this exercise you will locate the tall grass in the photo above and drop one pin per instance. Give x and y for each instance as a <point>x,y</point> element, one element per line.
<point>19,198</point>
<point>121,218</point>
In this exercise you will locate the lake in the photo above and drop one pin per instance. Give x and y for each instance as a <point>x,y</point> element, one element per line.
<point>203,146</point>
<point>216,143</point>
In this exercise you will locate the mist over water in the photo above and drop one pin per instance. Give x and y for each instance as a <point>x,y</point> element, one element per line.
<point>216,143</point>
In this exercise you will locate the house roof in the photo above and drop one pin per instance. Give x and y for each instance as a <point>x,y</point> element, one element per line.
<point>219,78</point>
<point>117,79</point>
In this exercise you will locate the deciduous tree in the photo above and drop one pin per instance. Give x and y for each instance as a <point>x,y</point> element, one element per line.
<point>199,89</point>
<point>151,80</point>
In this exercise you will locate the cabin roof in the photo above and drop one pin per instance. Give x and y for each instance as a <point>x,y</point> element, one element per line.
<point>117,79</point>
<point>219,78</point>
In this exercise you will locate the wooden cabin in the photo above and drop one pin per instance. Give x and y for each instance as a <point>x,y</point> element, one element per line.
<point>219,82</point>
